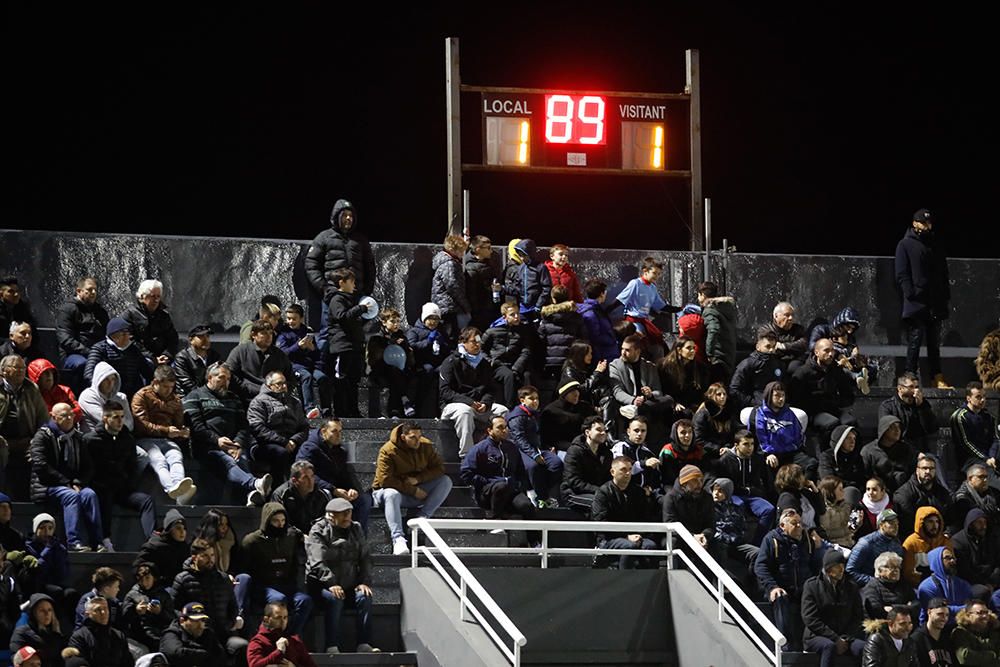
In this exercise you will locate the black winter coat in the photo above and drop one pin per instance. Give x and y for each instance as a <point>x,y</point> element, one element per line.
<point>505,345</point>
<point>877,595</point>
<point>816,389</point>
<point>746,388</point>
<point>79,326</point>
<point>153,332</point>
<point>302,512</point>
<point>912,496</point>
<point>250,365</point>
<point>922,276</point>
<point>976,558</point>
<point>848,466</point>
<point>751,477</point>
<point>101,645</point>
<point>831,612</point>
<point>58,459</point>
<point>114,458</point>
<point>345,326</point>
<point>917,421</point>
<point>49,644</point>
<point>559,327</point>
<point>894,465</point>
<point>714,427</point>
<point>795,340</point>
<point>211,588</point>
<point>594,386</point>
<point>584,471</point>
<point>190,369</point>
<point>479,277</point>
<point>148,628</point>
<point>185,650</point>
<point>695,512</point>
<point>329,463</point>
<point>560,422</point>
<point>334,249</point>
<point>613,504</point>
<point>166,554</point>
<point>135,369</point>
<point>459,382</point>
<point>422,344</point>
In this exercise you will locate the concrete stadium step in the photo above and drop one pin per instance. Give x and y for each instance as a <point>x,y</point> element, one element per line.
<point>375,432</point>
<point>397,659</point>
<point>461,495</point>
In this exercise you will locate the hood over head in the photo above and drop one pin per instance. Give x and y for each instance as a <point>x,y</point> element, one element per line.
<point>725,485</point>
<point>39,366</point>
<point>102,371</point>
<point>339,207</point>
<point>838,436</point>
<point>921,516</point>
<point>972,515</point>
<point>884,423</point>
<point>525,248</point>
<point>846,316</point>
<point>769,390</point>
<point>512,253</point>
<point>269,510</point>
<point>33,602</point>
<point>935,559</point>
<point>172,517</point>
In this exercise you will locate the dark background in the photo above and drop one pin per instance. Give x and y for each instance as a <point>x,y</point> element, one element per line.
<point>822,131</point>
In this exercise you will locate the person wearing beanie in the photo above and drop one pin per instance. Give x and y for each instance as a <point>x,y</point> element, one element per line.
<point>431,346</point>
<point>123,355</point>
<point>167,549</point>
<point>945,582</point>
<point>888,457</point>
<point>831,612</point>
<point>861,564</point>
<point>688,503</point>
<point>928,534</point>
<point>922,490</point>
<point>560,421</point>
<point>41,633</point>
<point>975,548</point>
<point>587,465</point>
<point>843,458</point>
<point>730,548</point>
<point>620,500</point>
<point>932,640</point>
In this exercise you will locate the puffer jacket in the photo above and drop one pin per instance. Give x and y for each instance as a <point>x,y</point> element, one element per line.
<point>526,280</point>
<point>692,325</point>
<point>396,462</point>
<point>185,650</point>
<point>895,464</point>
<point>559,327</point>
<point>719,314</point>
<point>448,285</point>
<point>595,386</point>
<point>53,564</point>
<point>345,326</point>
<point>584,471</point>
<point>79,326</point>
<point>114,460</point>
<point>600,330</point>
<point>210,587</point>
<point>58,459</point>
<point>276,419</point>
<point>250,366</point>
<point>696,511</point>
<point>861,563</point>
<point>49,642</point>
<point>272,555</point>
<point>334,249</point>
<point>504,345</point>
<point>59,393</point>
<point>163,552</point>
<point>753,374</point>
<point>816,388</point>
<point>134,368</point>
<point>974,648</point>
<point>878,594</point>
<point>152,332</point>
<point>830,611</point>
<point>92,400</point>
<point>880,650</point>
<point>154,415</point>
<point>421,340</point>
<point>479,276</point>
<point>337,556</point>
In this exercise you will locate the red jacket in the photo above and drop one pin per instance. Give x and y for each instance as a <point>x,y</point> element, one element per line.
<point>566,277</point>
<point>263,651</point>
<point>692,325</point>
<point>59,393</point>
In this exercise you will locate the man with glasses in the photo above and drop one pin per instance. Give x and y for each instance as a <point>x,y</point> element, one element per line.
<point>975,492</point>
<point>977,637</point>
<point>886,588</point>
<point>917,420</point>
<point>945,583</point>
<point>279,425</point>
<point>922,490</point>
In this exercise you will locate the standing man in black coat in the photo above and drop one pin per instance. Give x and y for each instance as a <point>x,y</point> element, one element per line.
<point>922,276</point>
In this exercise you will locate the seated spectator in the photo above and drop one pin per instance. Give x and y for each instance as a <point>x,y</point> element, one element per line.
<point>779,430</point>
<point>729,544</point>
<point>11,539</point>
<point>104,387</point>
<point>167,550</point>
<point>62,470</point>
<point>921,490</point>
<point>751,482</point>
<point>431,346</point>
<point>13,307</point>
<point>597,322</point>
<point>832,612</point>
<point>51,574</point>
<point>339,571</point>
<point>944,582</point>
<point>843,458</point>
<point>888,457</point>
<point>824,391</point>
<point>642,301</point>
<point>916,417</point>
<point>115,473</point>
<point>510,346</point>
<point>278,425</point>
<point>562,273</point>
<point>148,608</point>
<point>796,491</point>
<point>593,378</point>
<point>988,361</point>
<point>885,589</point>
<point>22,412</point>
<point>543,466</point>
<point>465,388</point>
<point>792,342</point>
<point>448,284</point>
<point>834,521</point>
<point>527,280</point>
<point>107,584</point>
<point>216,530</point>
<point>635,387</point>
<point>409,473</point>
<point>683,377</point>
<point>861,564</point>
<point>719,313</point>
<point>298,342</point>
<point>864,516</point>
<point>889,642</point>
<point>974,435</point>
<point>190,640</point>
<point>118,350</point>
<point>325,451</point>
<point>159,426</point>
<point>975,548</point>
<point>401,381</point>
<point>494,470</point>
<point>304,502</point>
<point>271,554</point>
<point>220,434</point>
<point>150,323</point>
<point>620,501</point>
<point>345,343</point>
<point>647,471</point>
<point>977,635</point>
<point>847,354</point>
<point>46,377</point>
<point>558,329</point>
<point>269,311</point>
<point>715,421</point>
<point>273,644</point>
<point>40,633</point>
<point>587,466</point>
<point>688,503</point>
<point>928,534</point>
<point>562,419</point>
<point>932,640</point>
<point>202,580</point>
<point>21,343</point>
<point>680,451</point>
<point>80,324</point>
<point>249,363</point>
<point>753,374</point>
<point>191,363</point>
<point>787,558</point>
<point>481,282</point>
<point>975,492</point>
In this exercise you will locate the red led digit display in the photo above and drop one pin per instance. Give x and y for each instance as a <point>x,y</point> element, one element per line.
<point>575,119</point>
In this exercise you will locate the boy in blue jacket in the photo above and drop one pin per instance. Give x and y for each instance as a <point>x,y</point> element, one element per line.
<point>544,468</point>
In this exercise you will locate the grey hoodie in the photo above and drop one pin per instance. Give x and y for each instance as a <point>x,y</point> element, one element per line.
<point>92,401</point>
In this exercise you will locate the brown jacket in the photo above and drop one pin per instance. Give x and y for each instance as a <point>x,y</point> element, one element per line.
<point>396,462</point>
<point>153,415</point>
<point>32,413</point>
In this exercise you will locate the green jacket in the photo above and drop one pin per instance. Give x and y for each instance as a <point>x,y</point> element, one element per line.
<point>32,413</point>
<point>719,314</point>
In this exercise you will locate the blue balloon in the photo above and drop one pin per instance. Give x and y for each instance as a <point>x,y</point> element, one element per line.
<point>394,355</point>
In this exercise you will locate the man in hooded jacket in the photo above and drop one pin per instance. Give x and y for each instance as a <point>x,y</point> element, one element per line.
<point>944,582</point>
<point>976,548</point>
<point>928,534</point>
<point>527,280</point>
<point>888,457</point>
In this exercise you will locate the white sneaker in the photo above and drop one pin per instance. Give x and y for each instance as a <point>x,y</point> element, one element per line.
<point>255,498</point>
<point>628,411</point>
<point>263,484</point>
<point>399,547</point>
<point>863,382</point>
<point>182,488</point>
<point>188,497</point>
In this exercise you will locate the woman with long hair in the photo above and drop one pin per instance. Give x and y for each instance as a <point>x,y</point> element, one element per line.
<point>715,421</point>
<point>579,367</point>
<point>798,492</point>
<point>682,376</point>
<point>834,521</point>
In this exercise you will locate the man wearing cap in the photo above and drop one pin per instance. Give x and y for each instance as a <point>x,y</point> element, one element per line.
<point>190,641</point>
<point>932,640</point>
<point>621,501</point>
<point>273,645</point>
<point>339,572</point>
<point>496,473</point>
<point>168,549</point>
<point>922,277</point>
<point>832,612</point>
<point>191,363</point>
<point>560,420</point>
<point>861,564</point>
<point>118,350</point>
<point>97,641</point>
<point>543,467</point>
<point>688,502</point>
<point>271,557</point>
<point>26,657</point>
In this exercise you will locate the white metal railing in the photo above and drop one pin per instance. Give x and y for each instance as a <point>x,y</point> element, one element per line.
<point>466,582</point>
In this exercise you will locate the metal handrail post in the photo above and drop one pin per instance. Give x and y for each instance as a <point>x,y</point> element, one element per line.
<point>545,548</point>
<point>414,536</point>
<point>670,549</point>
<point>465,592</point>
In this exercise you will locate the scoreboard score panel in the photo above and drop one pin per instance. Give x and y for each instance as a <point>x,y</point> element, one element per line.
<point>568,129</point>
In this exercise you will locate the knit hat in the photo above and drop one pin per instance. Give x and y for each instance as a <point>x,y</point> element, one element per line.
<point>23,654</point>
<point>887,515</point>
<point>40,519</point>
<point>569,386</point>
<point>115,325</point>
<point>688,473</point>
<point>833,557</point>
<point>339,505</point>
<point>4,498</point>
<point>725,485</point>
<point>430,309</point>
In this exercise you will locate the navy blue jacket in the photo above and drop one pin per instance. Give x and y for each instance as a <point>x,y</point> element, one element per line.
<point>523,424</point>
<point>490,461</point>
<point>329,463</point>
<point>922,276</point>
<point>600,331</point>
<point>784,563</point>
<point>135,369</point>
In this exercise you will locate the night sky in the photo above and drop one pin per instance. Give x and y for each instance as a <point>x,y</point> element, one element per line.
<point>822,131</point>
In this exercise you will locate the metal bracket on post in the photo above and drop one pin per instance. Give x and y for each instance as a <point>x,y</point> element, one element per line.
<point>693,88</point>
<point>453,117</point>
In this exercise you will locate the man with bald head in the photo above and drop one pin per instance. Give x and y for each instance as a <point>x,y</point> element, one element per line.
<point>824,390</point>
